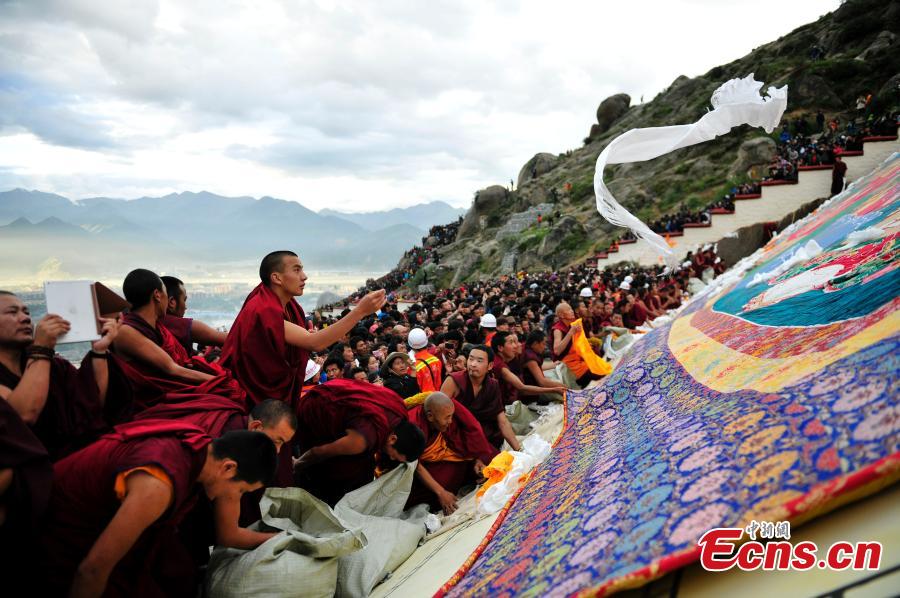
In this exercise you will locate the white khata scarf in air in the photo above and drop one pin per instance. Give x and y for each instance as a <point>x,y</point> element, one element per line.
<point>735,103</point>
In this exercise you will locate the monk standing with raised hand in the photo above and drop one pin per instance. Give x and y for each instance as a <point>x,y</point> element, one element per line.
<point>269,344</point>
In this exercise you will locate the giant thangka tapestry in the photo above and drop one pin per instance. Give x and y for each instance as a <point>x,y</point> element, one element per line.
<point>773,396</point>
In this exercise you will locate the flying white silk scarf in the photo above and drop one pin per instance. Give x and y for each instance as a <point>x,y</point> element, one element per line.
<point>736,102</point>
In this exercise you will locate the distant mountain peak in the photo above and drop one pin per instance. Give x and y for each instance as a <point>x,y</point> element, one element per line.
<point>20,222</point>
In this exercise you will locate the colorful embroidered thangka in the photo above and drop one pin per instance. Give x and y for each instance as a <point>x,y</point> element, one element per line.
<point>774,398</point>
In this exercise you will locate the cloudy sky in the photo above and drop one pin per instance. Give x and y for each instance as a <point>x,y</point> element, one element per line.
<point>347,104</point>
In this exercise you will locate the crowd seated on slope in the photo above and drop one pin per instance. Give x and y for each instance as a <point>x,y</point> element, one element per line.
<point>802,144</point>
<point>110,472</point>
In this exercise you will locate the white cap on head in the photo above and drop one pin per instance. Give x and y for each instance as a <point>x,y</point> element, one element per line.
<point>586,292</point>
<point>488,321</point>
<point>629,278</point>
<point>625,286</point>
<point>417,338</point>
<point>533,285</point>
<point>312,368</point>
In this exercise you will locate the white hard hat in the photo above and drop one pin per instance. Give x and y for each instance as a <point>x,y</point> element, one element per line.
<point>488,321</point>
<point>312,368</point>
<point>586,292</point>
<point>417,338</point>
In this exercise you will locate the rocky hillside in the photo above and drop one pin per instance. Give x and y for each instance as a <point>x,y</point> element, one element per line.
<point>862,55</point>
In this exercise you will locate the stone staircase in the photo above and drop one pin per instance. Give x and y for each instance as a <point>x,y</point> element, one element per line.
<point>508,264</point>
<point>523,220</point>
<point>777,200</point>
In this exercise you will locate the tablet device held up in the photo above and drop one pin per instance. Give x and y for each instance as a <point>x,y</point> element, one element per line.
<point>82,303</point>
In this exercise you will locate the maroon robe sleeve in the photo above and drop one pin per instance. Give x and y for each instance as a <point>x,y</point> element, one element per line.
<point>83,502</point>
<point>180,329</point>
<point>256,351</point>
<point>466,437</point>
<point>213,414</point>
<point>27,497</point>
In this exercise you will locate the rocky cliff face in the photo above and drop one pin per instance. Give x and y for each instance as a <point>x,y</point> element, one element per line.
<point>862,55</point>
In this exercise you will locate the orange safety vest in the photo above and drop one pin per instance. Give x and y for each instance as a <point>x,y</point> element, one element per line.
<point>428,372</point>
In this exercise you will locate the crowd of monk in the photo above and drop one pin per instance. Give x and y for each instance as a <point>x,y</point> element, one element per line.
<point>117,476</point>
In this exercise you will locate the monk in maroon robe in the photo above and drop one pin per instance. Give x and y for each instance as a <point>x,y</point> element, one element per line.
<point>157,363</point>
<point>346,428</point>
<point>66,408</point>
<point>480,394</point>
<point>116,503</point>
<point>456,451</point>
<point>26,476</point>
<point>187,330</point>
<point>268,346</point>
<point>217,415</point>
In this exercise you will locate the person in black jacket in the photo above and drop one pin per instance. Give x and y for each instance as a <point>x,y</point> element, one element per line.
<point>396,375</point>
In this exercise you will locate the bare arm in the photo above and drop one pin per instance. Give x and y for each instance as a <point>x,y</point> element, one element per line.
<point>227,513</point>
<point>507,431</point>
<point>560,341</point>
<point>527,389</point>
<point>321,339</point>
<point>450,388</point>
<point>538,373</point>
<point>207,335</point>
<point>136,346</point>
<point>447,499</point>
<point>353,443</point>
<point>147,499</point>
<point>29,396</point>
<point>100,365</point>
<point>101,376</point>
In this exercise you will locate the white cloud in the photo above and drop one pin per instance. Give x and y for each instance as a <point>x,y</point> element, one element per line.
<point>331,101</point>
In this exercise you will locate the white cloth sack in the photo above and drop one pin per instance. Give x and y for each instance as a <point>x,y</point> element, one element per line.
<point>734,103</point>
<point>376,510</point>
<point>300,561</point>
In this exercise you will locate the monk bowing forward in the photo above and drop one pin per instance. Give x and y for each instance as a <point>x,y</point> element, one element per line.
<point>116,504</point>
<point>345,429</point>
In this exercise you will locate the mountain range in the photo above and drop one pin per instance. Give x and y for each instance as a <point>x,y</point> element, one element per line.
<point>202,233</point>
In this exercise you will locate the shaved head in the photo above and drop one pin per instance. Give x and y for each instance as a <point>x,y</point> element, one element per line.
<point>437,401</point>
<point>439,410</point>
<point>562,307</point>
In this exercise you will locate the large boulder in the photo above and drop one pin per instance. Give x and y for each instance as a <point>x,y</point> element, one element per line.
<point>550,247</point>
<point>889,94</point>
<point>883,42</point>
<point>812,91</point>
<point>608,112</point>
<point>486,201</point>
<point>539,164</point>
<point>466,266</point>
<point>752,152</point>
